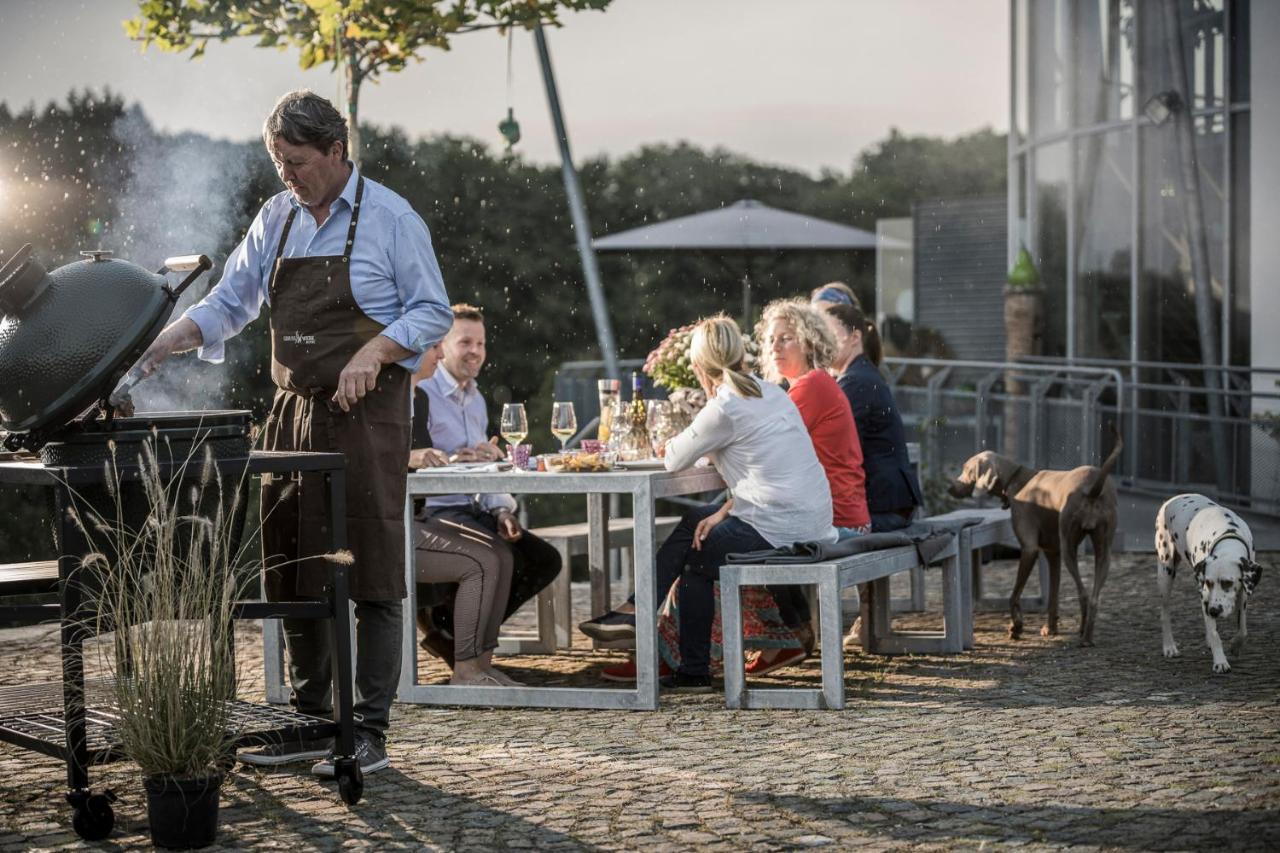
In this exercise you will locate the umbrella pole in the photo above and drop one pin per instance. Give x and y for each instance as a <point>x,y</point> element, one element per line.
<point>578,210</point>
<point>746,298</point>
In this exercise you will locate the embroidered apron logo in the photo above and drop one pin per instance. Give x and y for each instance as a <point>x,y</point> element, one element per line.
<point>299,338</point>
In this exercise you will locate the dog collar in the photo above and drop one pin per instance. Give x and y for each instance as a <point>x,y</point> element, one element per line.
<point>1230,534</point>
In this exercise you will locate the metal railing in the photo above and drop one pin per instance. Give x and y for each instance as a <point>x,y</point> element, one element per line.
<point>1049,413</point>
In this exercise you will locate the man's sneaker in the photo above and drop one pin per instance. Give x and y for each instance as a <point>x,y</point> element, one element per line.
<point>371,753</point>
<point>611,626</point>
<point>678,682</point>
<point>285,752</point>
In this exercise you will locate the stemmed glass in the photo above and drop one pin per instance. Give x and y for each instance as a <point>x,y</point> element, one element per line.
<point>514,425</point>
<point>564,423</point>
<point>659,424</point>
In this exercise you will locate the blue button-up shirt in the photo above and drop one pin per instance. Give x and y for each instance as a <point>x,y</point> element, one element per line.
<point>457,419</point>
<point>395,277</point>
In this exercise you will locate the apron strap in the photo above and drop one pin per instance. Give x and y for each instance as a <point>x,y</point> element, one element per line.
<point>355,217</point>
<point>275,265</point>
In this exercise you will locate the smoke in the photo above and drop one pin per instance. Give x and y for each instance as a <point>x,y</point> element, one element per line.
<point>182,199</point>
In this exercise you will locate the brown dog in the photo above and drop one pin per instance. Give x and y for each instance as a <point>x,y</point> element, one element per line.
<point>1052,511</point>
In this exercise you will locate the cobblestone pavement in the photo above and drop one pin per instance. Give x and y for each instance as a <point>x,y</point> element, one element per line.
<point>1035,743</point>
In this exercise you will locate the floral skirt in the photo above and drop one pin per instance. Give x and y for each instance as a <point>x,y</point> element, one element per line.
<point>762,627</point>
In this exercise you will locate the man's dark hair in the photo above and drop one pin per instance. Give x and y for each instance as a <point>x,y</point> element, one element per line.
<point>463,311</point>
<point>304,118</point>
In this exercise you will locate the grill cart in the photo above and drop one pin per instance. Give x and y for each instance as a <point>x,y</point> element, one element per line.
<point>74,720</point>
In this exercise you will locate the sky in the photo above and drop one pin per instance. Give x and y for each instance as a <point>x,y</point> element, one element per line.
<point>800,83</point>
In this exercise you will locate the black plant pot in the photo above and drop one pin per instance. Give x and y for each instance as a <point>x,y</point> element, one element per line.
<point>183,812</point>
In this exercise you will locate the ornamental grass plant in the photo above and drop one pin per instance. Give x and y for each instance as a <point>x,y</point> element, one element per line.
<point>164,587</point>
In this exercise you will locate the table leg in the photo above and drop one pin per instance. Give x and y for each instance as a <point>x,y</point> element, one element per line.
<point>646,598</point>
<point>409,638</point>
<point>598,553</point>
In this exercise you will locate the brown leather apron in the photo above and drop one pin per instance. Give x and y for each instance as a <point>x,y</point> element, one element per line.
<point>316,327</point>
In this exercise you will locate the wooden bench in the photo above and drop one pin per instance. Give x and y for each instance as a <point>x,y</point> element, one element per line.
<point>555,603</point>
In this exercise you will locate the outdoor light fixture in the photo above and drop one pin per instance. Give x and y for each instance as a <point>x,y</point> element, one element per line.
<point>1160,106</point>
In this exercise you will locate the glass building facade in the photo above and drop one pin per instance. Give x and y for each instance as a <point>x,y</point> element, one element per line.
<point>1129,175</point>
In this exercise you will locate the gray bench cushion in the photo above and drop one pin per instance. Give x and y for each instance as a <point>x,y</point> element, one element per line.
<point>930,539</point>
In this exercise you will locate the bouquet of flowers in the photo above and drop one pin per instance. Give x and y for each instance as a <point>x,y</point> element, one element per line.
<point>668,364</point>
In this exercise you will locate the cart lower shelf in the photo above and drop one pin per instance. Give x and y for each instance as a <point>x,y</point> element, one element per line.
<point>32,717</point>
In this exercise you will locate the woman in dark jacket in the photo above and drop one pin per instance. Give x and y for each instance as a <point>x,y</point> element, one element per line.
<point>893,491</point>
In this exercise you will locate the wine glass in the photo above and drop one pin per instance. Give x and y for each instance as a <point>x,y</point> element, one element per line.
<point>564,423</point>
<point>514,425</point>
<point>619,426</point>
<point>659,424</point>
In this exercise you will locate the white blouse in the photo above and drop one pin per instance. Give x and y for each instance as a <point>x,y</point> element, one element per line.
<point>762,450</point>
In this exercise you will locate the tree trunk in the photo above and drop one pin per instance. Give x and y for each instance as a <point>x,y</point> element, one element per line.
<point>354,77</point>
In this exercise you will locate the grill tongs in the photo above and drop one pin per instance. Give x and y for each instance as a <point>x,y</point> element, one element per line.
<point>119,400</point>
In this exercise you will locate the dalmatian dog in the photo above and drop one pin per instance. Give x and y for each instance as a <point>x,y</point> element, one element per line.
<point>1192,530</point>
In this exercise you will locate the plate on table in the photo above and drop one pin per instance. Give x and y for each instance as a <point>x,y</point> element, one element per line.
<point>642,464</point>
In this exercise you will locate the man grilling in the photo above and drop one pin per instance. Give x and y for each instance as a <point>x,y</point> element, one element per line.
<point>356,295</point>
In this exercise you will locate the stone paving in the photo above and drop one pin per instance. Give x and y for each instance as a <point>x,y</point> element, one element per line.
<point>1036,743</point>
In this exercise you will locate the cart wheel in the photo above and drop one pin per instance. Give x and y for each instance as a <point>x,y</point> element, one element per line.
<point>93,818</point>
<point>350,780</point>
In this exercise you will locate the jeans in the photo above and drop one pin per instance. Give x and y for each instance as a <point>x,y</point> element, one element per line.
<point>887,522</point>
<point>377,664</point>
<point>696,571</point>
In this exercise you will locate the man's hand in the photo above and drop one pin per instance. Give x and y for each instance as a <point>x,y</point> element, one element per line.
<point>360,376</point>
<point>485,451</point>
<point>489,451</point>
<point>179,336</point>
<point>427,457</point>
<point>704,528</point>
<point>508,526</point>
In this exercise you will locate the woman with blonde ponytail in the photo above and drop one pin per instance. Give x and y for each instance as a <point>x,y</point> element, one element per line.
<point>754,436</point>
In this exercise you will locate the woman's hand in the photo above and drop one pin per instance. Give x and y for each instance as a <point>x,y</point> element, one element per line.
<point>427,457</point>
<point>704,528</point>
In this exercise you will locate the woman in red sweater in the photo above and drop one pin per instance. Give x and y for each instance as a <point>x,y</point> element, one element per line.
<point>797,346</point>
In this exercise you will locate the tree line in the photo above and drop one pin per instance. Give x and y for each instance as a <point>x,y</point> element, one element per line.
<point>74,174</point>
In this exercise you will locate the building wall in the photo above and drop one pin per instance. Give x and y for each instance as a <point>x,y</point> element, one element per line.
<point>960,274</point>
<point>1264,145</point>
<point>1264,254</point>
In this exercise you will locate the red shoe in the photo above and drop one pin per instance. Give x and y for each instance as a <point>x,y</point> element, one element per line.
<point>626,672</point>
<point>786,657</point>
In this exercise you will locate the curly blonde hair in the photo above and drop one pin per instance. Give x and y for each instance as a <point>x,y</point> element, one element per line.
<point>811,330</point>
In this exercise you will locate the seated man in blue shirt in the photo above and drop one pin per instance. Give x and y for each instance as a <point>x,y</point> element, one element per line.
<point>458,424</point>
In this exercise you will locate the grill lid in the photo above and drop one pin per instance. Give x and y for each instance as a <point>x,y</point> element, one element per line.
<point>67,336</point>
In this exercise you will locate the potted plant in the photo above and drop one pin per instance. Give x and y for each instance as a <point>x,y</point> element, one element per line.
<point>165,589</point>
<point>1023,332</point>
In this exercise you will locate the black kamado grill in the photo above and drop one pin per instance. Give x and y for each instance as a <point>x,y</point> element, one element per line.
<point>68,339</point>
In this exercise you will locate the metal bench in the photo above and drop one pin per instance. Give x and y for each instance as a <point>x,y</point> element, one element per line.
<point>555,603</point>
<point>874,567</point>
<point>995,529</point>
